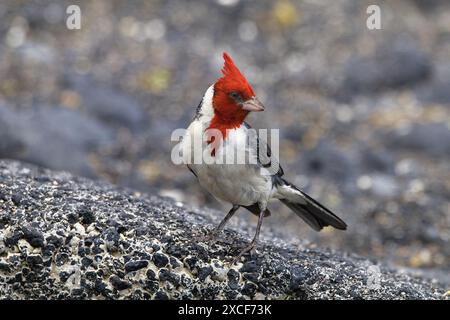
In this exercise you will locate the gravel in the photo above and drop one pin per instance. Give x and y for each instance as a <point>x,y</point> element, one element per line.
<point>73,238</point>
<point>363,114</point>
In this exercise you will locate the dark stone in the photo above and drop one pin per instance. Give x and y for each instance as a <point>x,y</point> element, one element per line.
<point>327,160</point>
<point>125,216</point>
<point>429,5</point>
<point>151,286</point>
<point>88,242</point>
<point>33,237</point>
<point>109,105</point>
<point>68,239</point>
<point>141,231</point>
<point>250,266</point>
<point>87,216</point>
<point>250,276</point>
<point>174,263</point>
<point>121,229</point>
<point>438,89</point>
<point>14,239</point>
<point>191,262</point>
<point>11,143</point>
<point>97,250</point>
<point>185,281</point>
<point>91,276</point>
<point>176,250</point>
<point>81,251</point>
<point>18,278</point>
<point>25,271</point>
<point>63,276</point>
<point>135,265</point>
<point>298,278</point>
<point>111,235</point>
<point>378,160</point>
<point>35,262</point>
<point>161,295</point>
<point>77,292</point>
<point>151,274</point>
<point>397,64</point>
<point>101,287</point>
<point>233,279</point>
<point>160,260</point>
<point>166,275</point>
<point>72,218</point>
<point>42,179</point>
<point>118,283</point>
<point>35,194</point>
<point>55,241</point>
<point>249,289</point>
<point>432,138</point>
<point>204,272</point>
<point>86,262</point>
<point>61,258</point>
<point>3,196</point>
<point>4,266</point>
<point>231,294</point>
<point>17,199</point>
<point>67,135</point>
<point>264,286</point>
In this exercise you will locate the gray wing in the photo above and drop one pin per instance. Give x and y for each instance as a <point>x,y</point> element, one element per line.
<point>265,159</point>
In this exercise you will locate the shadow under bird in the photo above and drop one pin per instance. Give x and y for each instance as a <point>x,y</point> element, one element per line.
<point>224,107</point>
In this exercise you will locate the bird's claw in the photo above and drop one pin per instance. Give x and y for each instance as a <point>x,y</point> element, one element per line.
<point>248,249</point>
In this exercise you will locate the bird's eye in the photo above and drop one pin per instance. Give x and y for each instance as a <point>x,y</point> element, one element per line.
<point>235,95</point>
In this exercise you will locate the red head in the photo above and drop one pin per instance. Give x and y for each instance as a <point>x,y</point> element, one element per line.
<point>233,98</point>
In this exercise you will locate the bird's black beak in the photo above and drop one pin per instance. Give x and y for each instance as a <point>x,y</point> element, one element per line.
<point>253,104</point>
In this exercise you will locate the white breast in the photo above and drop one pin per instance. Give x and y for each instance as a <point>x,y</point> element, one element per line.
<point>237,183</point>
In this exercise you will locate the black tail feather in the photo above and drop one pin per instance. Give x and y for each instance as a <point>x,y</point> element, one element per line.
<point>311,211</point>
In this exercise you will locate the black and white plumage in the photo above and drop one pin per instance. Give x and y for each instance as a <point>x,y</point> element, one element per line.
<point>244,185</point>
<point>250,185</point>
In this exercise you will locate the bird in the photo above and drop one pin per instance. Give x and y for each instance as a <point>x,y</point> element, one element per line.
<point>250,185</point>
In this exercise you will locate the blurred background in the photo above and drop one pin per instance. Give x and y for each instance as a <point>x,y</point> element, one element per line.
<point>364,114</point>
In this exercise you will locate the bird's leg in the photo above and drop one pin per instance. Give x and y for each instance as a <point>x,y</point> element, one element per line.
<point>212,235</point>
<point>254,242</point>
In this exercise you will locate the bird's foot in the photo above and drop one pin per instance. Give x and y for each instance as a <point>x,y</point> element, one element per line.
<point>248,249</point>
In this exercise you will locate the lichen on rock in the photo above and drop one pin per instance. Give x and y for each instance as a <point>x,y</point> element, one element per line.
<point>71,237</point>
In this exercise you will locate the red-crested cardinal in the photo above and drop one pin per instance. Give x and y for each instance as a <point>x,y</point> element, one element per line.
<point>224,108</point>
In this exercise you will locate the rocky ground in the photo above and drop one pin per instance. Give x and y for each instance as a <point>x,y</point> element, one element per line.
<point>363,115</point>
<point>67,237</point>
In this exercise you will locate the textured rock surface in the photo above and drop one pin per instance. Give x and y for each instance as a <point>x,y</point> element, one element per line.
<point>67,237</point>
<point>363,114</point>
